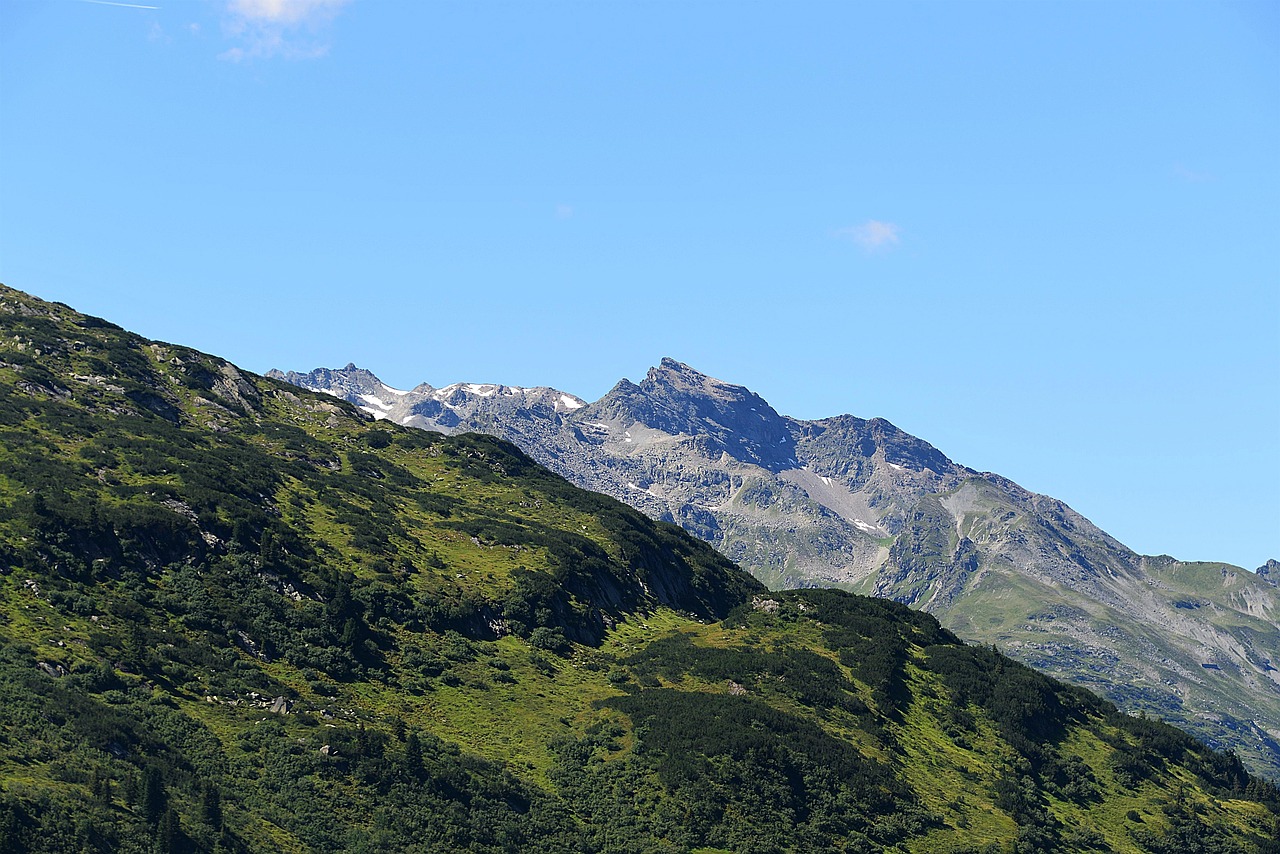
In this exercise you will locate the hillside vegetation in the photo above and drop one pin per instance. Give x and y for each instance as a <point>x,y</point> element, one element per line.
<point>862,506</point>
<point>238,616</point>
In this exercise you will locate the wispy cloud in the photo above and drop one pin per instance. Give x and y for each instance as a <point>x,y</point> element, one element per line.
<point>122,5</point>
<point>294,29</point>
<point>287,11</point>
<point>873,235</point>
<point>564,211</point>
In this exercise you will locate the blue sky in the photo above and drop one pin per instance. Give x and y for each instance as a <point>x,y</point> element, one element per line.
<point>1043,236</point>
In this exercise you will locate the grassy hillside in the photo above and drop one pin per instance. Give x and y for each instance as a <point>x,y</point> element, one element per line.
<point>860,505</point>
<point>238,616</point>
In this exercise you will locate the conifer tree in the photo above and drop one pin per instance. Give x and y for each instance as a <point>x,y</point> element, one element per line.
<point>154,797</point>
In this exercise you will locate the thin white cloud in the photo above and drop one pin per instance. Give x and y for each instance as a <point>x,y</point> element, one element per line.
<point>873,235</point>
<point>288,12</point>
<point>294,29</point>
<point>564,211</point>
<point>122,5</point>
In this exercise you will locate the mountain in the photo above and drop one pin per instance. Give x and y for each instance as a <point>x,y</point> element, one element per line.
<point>861,505</point>
<point>1269,572</point>
<point>236,615</point>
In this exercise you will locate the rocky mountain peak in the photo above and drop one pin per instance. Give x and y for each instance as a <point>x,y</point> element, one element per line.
<point>833,443</point>
<point>341,382</point>
<point>670,370</point>
<point>1270,572</point>
<point>680,400</point>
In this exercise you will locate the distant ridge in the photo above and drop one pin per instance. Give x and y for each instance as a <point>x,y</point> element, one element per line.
<point>859,504</point>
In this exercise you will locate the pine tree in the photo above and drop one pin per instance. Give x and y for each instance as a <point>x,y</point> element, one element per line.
<point>413,754</point>
<point>170,836</point>
<point>154,797</point>
<point>211,806</point>
<point>100,787</point>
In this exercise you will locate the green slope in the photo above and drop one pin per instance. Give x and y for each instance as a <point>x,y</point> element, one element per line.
<point>238,616</point>
<point>860,505</point>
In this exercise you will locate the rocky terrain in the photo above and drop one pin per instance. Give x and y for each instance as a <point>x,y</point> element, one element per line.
<point>859,504</point>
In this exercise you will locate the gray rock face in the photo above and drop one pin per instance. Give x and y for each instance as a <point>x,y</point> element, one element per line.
<point>457,408</point>
<point>859,504</point>
<point>1270,572</point>
<point>728,419</point>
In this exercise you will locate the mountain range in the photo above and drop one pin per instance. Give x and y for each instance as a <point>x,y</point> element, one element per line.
<point>858,504</point>
<point>237,615</point>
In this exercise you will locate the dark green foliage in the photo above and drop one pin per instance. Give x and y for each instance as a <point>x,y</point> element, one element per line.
<point>176,549</point>
<point>437,800</point>
<point>211,806</point>
<point>1019,794</point>
<point>154,798</point>
<point>871,636</point>
<point>550,639</point>
<point>1157,744</point>
<point>703,583</point>
<point>1188,833</point>
<point>119,745</point>
<point>535,600</point>
<point>1027,705</point>
<point>749,777</point>
<point>435,793</point>
<point>377,439</point>
<point>800,674</point>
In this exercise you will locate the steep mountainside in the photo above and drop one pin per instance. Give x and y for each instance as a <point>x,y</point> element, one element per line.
<point>861,505</point>
<point>240,616</point>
